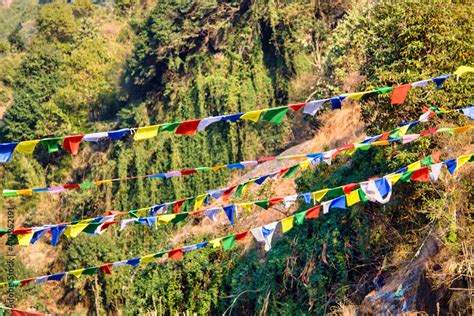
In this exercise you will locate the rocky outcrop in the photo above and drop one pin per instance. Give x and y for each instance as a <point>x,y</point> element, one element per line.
<point>408,289</point>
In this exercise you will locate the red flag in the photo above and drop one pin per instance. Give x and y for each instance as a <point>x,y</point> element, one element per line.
<point>297,107</point>
<point>25,282</point>
<point>240,236</point>
<point>177,205</point>
<point>188,127</point>
<point>421,174</point>
<point>185,172</point>
<point>176,254</point>
<point>106,268</point>
<point>266,159</point>
<point>274,201</point>
<point>107,224</point>
<point>22,231</point>
<point>385,136</point>
<point>348,187</point>
<point>282,172</point>
<point>227,193</point>
<point>313,212</point>
<point>17,312</point>
<point>71,143</point>
<point>71,186</point>
<point>345,147</point>
<point>399,93</point>
<point>428,132</point>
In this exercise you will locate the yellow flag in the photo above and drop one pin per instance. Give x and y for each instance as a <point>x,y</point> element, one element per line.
<point>24,239</point>
<point>353,198</point>
<point>216,168</point>
<point>146,132</point>
<point>287,224</point>
<point>463,70</point>
<point>395,177</point>
<point>403,130</point>
<point>246,206</point>
<point>462,129</point>
<point>73,230</point>
<point>103,182</point>
<point>253,116</point>
<point>305,164</point>
<point>414,166</point>
<point>350,152</point>
<point>199,201</point>
<point>163,219</point>
<point>25,192</point>
<point>247,185</point>
<point>140,211</point>
<point>462,160</point>
<point>318,195</point>
<point>381,143</point>
<point>27,147</point>
<point>76,273</point>
<point>216,243</point>
<point>147,259</point>
<point>355,95</point>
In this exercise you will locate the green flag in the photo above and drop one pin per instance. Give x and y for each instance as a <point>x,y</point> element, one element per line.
<point>91,228</point>
<point>299,217</point>
<point>265,204</point>
<point>275,115</point>
<point>179,218</point>
<point>52,144</point>
<point>290,171</point>
<point>169,127</point>
<point>228,242</point>
<point>90,271</point>
<point>406,176</point>
<point>383,90</point>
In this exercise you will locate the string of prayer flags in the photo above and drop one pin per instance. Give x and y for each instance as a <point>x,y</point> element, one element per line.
<point>190,127</point>
<point>326,156</point>
<point>375,190</point>
<point>263,234</point>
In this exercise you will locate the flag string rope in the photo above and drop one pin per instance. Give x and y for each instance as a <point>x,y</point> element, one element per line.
<point>375,192</point>
<point>77,226</point>
<point>418,170</point>
<point>185,172</point>
<point>273,115</point>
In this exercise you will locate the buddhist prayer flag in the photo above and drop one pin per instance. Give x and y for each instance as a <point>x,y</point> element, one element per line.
<point>463,70</point>
<point>440,80</point>
<point>383,90</point>
<point>169,127</point>
<point>228,242</point>
<point>399,94</point>
<point>421,174</point>
<point>319,195</point>
<point>230,213</point>
<point>336,102</point>
<point>299,217</point>
<point>356,95</point>
<point>287,224</point>
<point>216,243</point>
<point>27,147</point>
<point>118,134</point>
<point>435,171</point>
<point>275,115</point>
<point>313,212</point>
<point>6,151</point>
<point>312,107</point>
<point>71,143</point>
<point>265,234</point>
<point>204,123</point>
<point>253,116</point>
<point>353,198</point>
<point>188,127</point>
<point>176,254</point>
<point>146,132</point>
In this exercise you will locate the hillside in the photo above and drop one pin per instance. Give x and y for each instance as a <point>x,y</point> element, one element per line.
<point>84,67</point>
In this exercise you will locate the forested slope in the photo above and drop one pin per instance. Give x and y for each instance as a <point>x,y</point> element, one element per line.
<point>80,68</point>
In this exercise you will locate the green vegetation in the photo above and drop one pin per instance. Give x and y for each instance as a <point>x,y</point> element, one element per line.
<point>85,67</point>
